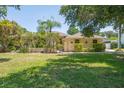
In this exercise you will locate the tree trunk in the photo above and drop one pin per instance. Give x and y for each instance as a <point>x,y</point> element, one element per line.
<point>119,36</point>
<point>50,29</point>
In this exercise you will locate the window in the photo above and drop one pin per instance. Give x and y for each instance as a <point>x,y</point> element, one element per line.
<point>94,41</point>
<point>77,41</point>
<point>71,42</point>
<point>86,42</point>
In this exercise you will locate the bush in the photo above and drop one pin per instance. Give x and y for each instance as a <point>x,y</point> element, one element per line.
<point>23,50</point>
<point>99,47</point>
<point>78,47</point>
<point>122,45</point>
<point>88,50</point>
<point>119,50</point>
<point>114,45</point>
<point>12,48</point>
<point>59,47</point>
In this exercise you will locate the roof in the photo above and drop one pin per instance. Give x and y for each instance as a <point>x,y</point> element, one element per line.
<point>60,33</point>
<point>79,35</point>
<point>97,36</point>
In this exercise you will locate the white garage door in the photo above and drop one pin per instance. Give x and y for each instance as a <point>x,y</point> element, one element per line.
<point>108,45</point>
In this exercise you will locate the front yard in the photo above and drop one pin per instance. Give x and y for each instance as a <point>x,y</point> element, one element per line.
<point>54,70</point>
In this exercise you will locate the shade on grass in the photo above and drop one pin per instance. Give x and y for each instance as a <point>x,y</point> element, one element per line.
<point>72,70</point>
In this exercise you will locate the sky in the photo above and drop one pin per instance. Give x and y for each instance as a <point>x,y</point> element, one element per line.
<point>28,15</point>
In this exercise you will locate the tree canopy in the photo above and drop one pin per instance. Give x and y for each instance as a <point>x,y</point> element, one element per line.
<point>3,9</point>
<point>96,17</point>
<point>72,30</point>
<point>9,34</point>
<point>46,38</point>
<point>47,25</point>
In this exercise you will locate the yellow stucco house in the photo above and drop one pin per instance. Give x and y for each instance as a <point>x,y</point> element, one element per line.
<point>68,42</point>
<point>86,42</point>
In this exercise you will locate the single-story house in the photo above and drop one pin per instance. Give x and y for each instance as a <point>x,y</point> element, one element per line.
<point>68,42</point>
<point>87,42</point>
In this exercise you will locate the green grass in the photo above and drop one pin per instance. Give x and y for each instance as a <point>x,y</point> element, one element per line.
<point>52,70</point>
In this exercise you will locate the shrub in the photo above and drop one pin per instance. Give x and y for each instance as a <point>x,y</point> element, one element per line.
<point>59,47</point>
<point>12,48</point>
<point>78,47</point>
<point>119,50</point>
<point>88,50</point>
<point>23,50</point>
<point>122,45</point>
<point>114,45</point>
<point>99,47</point>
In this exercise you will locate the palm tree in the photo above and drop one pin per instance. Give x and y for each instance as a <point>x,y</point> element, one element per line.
<point>47,26</point>
<point>52,24</point>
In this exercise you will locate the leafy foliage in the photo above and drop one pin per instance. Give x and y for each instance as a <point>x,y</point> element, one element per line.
<point>3,9</point>
<point>52,41</point>
<point>88,31</point>
<point>114,45</point>
<point>9,33</point>
<point>78,47</point>
<point>88,50</point>
<point>99,47</point>
<point>72,30</point>
<point>48,25</point>
<point>49,38</point>
<point>111,35</point>
<point>95,16</point>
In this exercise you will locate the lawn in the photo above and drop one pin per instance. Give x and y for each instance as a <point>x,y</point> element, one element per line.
<point>55,70</point>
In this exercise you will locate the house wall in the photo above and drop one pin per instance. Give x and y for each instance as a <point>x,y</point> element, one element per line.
<point>86,43</point>
<point>122,38</point>
<point>69,45</point>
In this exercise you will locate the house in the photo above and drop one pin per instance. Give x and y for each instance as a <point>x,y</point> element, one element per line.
<point>86,42</point>
<point>68,42</point>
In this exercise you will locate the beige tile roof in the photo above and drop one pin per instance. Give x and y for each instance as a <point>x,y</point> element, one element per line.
<point>79,35</point>
<point>60,33</point>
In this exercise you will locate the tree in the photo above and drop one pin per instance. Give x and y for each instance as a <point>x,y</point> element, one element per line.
<point>40,39</point>
<point>52,41</point>
<point>14,37</point>
<point>3,9</point>
<point>47,25</point>
<point>72,30</point>
<point>9,34</point>
<point>49,39</point>
<point>111,35</point>
<point>96,17</point>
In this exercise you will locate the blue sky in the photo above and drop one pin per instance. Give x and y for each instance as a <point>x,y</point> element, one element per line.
<point>28,16</point>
